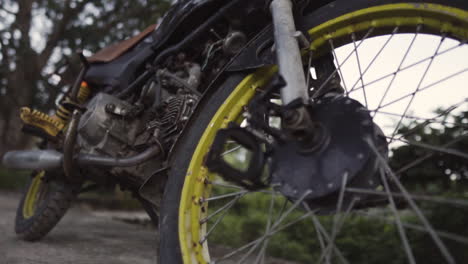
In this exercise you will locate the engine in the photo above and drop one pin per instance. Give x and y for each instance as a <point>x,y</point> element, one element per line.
<point>106,127</point>
<point>116,128</point>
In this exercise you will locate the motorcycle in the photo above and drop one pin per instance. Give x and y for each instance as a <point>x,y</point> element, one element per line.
<point>235,100</point>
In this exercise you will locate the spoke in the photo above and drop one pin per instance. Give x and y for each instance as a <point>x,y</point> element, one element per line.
<point>240,249</point>
<point>321,242</point>
<point>401,230</point>
<point>446,235</point>
<point>332,46</point>
<point>300,218</point>
<point>283,208</point>
<point>429,155</point>
<point>222,184</point>
<point>443,249</point>
<point>219,210</point>
<point>436,148</point>
<point>361,77</point>
<point>221,217</point>
<point>427,121</point>
<point>423,89</point>
<point>433,119</point>
<point>408,67</point>
<point>329,252</point>
<point>417,88</point>
<point>318,226</point>
<point>339,227</point>
<point>274,229</point>
<point>399,66</point>
<point>395,30</point>
<point>239,193</point>
<point>272,232</point>
<point>261,254</point>
<point>294,206</point>
<point>339,66</point>
<point>419,197</point>
<point>231,150</point>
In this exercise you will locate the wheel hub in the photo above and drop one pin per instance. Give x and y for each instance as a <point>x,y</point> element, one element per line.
<point>344,159</point>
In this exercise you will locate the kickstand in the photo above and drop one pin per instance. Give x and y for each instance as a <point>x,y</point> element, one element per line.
<point>150,209</point>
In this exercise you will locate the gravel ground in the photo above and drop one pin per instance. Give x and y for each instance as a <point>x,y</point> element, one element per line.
<point>86,236</point>
<point>82,236</point>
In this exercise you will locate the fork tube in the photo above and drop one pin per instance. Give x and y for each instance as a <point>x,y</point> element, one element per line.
<point>287,52</point>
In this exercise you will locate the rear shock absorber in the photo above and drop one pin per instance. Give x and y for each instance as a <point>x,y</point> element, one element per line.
<point>44,125</point>
<point>83,94</point>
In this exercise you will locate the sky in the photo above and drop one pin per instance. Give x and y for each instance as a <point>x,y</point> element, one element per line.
<point>420,78</point>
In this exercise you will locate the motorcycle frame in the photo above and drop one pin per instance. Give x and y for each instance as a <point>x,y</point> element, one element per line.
<point>290,68</point>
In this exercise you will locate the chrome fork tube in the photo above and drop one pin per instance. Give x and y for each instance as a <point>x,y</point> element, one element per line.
<point>288,53</point>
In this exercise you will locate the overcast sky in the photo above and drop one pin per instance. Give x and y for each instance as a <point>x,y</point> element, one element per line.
<point>454,59</point>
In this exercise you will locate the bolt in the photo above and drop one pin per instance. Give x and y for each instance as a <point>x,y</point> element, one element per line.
<point>110,107</point>
<point>291,116</point>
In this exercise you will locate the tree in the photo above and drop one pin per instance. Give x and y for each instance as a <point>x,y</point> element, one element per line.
<point>438,173</point>
<point>38,43</point>
<point>437,169</point>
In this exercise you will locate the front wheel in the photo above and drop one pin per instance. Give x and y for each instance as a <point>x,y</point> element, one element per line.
<point>406,64</point>
<point>43,204</point>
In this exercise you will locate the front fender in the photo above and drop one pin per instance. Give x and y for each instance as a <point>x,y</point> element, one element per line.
<point>258,52</point>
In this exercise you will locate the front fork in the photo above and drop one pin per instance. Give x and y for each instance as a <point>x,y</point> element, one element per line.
<point>296,119</point>
<point>288,52</point>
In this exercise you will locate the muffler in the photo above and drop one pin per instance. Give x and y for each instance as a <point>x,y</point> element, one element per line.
<point>33,159</point>
<point>51,159</point>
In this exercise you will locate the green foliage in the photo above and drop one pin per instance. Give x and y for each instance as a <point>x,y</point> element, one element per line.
<point>13,180</point>
<point>429,173</point>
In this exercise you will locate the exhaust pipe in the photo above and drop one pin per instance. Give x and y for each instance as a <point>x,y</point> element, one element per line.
<point>33,159</point>
<point>51,159</point>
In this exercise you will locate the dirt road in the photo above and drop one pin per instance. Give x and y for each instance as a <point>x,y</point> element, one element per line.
<point>88,237</point>
<point>81,237</point>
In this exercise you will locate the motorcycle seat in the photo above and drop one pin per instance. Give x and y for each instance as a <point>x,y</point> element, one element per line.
<point>114,51</point>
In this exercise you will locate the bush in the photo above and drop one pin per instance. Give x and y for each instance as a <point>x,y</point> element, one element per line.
<point>13,180</point>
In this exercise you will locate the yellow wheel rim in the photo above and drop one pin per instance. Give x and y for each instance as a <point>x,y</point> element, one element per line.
<point>32,196</point>
<point>436,17</point>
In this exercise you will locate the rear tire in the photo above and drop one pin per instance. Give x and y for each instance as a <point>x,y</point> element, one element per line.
<point>42,206</point>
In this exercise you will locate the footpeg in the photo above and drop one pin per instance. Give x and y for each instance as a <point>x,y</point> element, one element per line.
<point>49,124</point>
<point>249,177</point>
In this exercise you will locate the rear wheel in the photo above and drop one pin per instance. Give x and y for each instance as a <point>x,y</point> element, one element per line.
<point>42,206</point>
<point>406,63</point>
